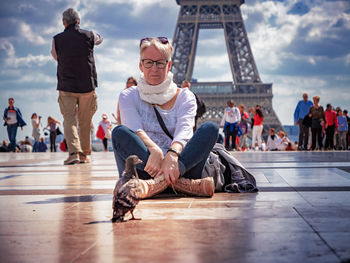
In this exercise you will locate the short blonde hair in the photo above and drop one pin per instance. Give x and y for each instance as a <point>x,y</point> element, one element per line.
<point>316,98</point>
<point>165,49</point>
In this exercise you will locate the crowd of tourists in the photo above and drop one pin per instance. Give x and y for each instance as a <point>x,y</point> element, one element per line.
<point>13,119</point>
<point>319,129</point>
<point>236,123</point>
<point>328,128</point>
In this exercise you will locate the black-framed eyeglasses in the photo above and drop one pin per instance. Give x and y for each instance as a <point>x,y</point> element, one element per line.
<point>148,63</point>
<point>163,40</point>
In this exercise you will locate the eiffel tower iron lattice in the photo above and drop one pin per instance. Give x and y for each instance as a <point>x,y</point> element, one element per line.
<point>247,87</point>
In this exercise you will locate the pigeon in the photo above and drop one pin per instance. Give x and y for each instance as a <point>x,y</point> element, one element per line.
<point>126,192</point>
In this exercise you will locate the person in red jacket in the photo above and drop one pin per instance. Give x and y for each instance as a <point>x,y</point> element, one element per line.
<point>331,127</point>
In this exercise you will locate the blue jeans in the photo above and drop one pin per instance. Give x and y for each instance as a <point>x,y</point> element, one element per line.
<point>191,160</point>
<point>35,146</point>
<point>12,133</point>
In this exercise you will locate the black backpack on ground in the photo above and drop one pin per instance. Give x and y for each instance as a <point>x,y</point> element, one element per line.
<point>201,109</point>
<point>228,173</point>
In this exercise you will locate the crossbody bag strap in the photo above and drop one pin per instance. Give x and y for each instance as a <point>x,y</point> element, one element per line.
<point>161,122</point>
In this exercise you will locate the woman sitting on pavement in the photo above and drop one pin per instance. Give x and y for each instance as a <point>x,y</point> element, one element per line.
<point>272,141</point>
<point>176,161</point>
<point>283,141</point>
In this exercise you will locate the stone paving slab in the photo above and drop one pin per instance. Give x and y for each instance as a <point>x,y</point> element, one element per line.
<point>55,213</point>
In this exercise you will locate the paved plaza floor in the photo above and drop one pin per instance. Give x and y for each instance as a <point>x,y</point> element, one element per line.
<point>55,213</point>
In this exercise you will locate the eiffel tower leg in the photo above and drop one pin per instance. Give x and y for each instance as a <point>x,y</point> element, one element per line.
<point>240,55</point>
<point>184,43</point>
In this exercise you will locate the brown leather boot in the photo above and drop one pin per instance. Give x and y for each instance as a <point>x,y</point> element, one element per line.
<point>151,187</point>
<point>73,158</point>
<point>199,187</point>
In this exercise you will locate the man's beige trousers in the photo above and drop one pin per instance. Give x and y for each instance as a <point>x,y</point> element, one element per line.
<point>78,107</point>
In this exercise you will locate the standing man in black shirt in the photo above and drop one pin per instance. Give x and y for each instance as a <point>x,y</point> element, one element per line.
<point>76,82</point>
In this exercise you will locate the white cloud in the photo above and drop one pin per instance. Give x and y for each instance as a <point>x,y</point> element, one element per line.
<point>294,85</point>
<point>137,5</point>
<point>36,78</point>
<point>269,40</point>
<point>11,73</point>
<point>116,65</point>
<point>32,95</point>
<point>11,61</point>
<point>121,58</point>
<point>28,61</point>
<point>7,47</point>
<point>216,62</point>
<point>112,86</point>
<point>55,27</point>
<point>26,31</point>
<point>312,60</point>
<point>347,59</point>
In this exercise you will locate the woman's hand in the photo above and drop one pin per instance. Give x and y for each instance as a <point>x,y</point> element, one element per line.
<point>156,155</point>
<point>170,168</point>
<point>154,161</point>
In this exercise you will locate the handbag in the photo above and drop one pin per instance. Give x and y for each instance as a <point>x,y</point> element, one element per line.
<point>161,122</point>
<point>58,131</point>
<point>307,121</point>
<point>316,124</point>
<point>100,133</point>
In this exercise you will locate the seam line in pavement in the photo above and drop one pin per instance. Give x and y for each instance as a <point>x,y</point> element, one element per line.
<point>84,252</point>
<point>318,234</point>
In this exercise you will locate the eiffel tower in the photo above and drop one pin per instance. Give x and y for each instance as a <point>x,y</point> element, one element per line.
<point>247,87</point>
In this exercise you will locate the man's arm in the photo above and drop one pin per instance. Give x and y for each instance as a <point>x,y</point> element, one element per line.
<point>97,38</point>
<point>336,121</point>
<point>222,123</point>
<point>5,115</point>
<point>239,115</point>
<point>53,50</point>
<point>296,114</point>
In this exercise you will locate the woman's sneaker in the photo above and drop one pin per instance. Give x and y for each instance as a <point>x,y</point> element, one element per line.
<point>73,158</point>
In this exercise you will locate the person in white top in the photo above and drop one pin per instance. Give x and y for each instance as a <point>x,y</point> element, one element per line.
<point>13,119</point>
<point>283,141</point>
<point>176,158</point>
<point>272,141</point>
<point>230,123</point>
<point>36,130</point>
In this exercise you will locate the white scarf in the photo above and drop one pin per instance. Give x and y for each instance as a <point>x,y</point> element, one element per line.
<point>158,94</point>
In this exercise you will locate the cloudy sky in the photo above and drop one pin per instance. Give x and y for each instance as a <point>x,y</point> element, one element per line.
<point>299,46</point>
